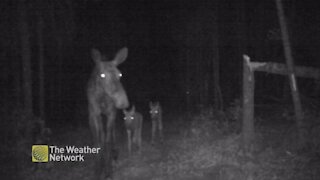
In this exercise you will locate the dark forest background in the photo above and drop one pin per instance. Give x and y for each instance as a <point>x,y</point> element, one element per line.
<point>185,53</point>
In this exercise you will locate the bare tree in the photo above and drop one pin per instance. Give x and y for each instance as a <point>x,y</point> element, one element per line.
<point>25,55</point>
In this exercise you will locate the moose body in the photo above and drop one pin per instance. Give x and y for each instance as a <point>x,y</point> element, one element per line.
<point>133,122</point>
<point>156,120</point>
<point>105,95</point>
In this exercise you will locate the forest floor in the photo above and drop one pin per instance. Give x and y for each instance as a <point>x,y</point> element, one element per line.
<point>202,146</point>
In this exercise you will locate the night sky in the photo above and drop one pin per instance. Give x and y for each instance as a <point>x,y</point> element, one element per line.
<point>172,46</point>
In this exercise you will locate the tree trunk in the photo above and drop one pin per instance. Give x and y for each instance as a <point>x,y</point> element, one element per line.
<point>41,65</point>
<point>57,81</point>
<point>187,80</point>
<point>25,56</point>
<point>291,73</point>
<point>248,105</point>
<point>218,100</point>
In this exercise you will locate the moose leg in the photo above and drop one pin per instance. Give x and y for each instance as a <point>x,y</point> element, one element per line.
<point>129,133</point>
<point>108,145</point>
<point>115,151</point>
<point>96,127</point>
<point>154,128</point>
<point>160,129</point>
<point>140,136</point>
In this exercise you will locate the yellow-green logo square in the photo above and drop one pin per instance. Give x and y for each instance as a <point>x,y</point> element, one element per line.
<point>40,153</point>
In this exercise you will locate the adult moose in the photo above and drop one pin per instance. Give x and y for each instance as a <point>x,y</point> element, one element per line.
<point>105,95</point>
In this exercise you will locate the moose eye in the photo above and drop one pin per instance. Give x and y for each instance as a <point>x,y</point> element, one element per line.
<point>102,75</point>
<point>120,75</point>
<point>131,117</point>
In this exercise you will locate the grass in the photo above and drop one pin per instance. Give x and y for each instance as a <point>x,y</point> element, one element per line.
<point>202,146</point>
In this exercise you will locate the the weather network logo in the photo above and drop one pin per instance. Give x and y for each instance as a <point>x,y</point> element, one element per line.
<point>46,153</point>
<point>40,153</point>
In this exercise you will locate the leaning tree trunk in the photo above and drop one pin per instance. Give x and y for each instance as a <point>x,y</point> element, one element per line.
<point>291,73</point>
<point>25,56</point>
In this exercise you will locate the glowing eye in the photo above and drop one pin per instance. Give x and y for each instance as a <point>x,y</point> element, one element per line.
<point>131,117</point>
<point>156,111</point>
<point>120,74</point>
<point>103,75</point>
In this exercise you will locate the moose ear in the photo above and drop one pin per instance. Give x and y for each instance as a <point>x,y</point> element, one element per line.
<point>121,56</point>
<point>133,109</point>
<point>96,56</point>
